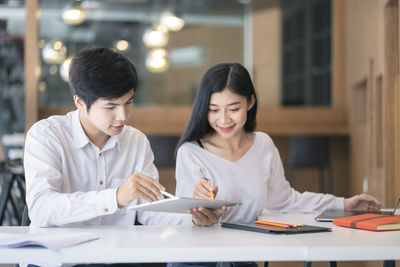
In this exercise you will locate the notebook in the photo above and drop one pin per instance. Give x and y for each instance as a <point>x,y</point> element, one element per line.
<point>370,221</point>
<point>269,229</point>
<point>54,241</point>
<point>330,215</point>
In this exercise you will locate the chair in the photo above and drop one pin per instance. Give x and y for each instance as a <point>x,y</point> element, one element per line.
<point>164,158</point>
<point>12,198</point>
<point>163,148</point>
<point>311,152</point>
<point>26,221</point>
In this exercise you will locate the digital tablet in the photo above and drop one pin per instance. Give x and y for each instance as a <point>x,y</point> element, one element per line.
<point>182,205</point>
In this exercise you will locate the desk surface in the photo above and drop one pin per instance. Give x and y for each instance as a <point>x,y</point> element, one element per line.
<point>191,243</point>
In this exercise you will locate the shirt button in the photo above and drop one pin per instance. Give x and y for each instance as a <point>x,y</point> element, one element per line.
<point>100,154</point>
<point>106,210</point>
<point>101,182</point>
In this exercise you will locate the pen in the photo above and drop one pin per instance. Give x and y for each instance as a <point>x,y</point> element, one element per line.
<point>273,224</point>
<point>165,193</point>
<point>278,222</point>
<point>210,183</point>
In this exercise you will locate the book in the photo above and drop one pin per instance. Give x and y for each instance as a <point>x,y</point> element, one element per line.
<point>370,221</point>
<point>52,241</point>
<point>270,229</point>
<point>182,205</point>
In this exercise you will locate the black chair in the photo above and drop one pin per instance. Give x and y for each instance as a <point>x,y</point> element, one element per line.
<point>12,198</point>
<point>163,147</point>
<point>311,152</point>
<point>26,221</point>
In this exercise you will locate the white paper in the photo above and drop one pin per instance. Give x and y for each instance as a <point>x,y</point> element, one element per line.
<point>48,240</point>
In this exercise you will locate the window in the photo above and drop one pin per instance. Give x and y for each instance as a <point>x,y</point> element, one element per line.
<point>306,53</point>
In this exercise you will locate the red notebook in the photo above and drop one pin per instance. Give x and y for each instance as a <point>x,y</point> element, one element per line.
<point>370,221</point>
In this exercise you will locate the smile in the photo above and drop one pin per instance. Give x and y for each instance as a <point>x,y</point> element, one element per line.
<point>226,129</point>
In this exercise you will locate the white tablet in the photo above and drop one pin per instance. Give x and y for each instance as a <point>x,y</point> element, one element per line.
<point>182,205</point>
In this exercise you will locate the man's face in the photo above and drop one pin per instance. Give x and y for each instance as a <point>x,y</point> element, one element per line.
<point>106,116</point>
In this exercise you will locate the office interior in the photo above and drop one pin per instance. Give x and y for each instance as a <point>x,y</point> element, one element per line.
<point>327,70</point>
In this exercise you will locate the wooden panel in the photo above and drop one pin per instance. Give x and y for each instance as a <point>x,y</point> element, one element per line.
<point>31,59</point>
<point>167,179</point>
<point>172,120</point>
<point>339,54</point>
<point>290,121</point>
<point>392,102</point>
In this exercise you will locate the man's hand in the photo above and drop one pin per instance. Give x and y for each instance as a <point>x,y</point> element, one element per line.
<point>206,217</point>
<point>203,188</point>
<point>139,186</point>
<point>362,202</point>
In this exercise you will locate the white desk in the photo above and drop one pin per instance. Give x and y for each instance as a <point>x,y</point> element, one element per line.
<point>186,243</point>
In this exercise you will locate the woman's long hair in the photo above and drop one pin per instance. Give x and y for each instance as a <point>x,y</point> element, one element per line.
<point>232,76</point>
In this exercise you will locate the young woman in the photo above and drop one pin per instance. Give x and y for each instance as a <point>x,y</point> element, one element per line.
<point>220,152</point>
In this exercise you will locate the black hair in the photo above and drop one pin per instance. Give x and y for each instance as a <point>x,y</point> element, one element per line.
<point>101,73</point>
<point>232,76</point>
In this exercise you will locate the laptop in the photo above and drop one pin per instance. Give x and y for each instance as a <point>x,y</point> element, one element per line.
<point>330,215</point>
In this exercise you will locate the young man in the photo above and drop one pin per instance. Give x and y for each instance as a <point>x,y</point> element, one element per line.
<point>85,167</point>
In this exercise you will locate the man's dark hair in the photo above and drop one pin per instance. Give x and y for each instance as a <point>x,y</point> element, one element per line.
<point>101,73</point>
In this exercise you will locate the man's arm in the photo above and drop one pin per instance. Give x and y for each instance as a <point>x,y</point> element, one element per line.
<point>47,203</point>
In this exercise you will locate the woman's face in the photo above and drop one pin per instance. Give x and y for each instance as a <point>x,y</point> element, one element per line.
<point>227,113</point>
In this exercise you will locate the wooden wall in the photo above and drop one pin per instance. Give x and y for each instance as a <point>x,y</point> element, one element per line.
<point>373,97</point>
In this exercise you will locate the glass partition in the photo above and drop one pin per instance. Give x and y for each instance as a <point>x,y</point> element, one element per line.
<point>12,116</point>
<point>171,43</point>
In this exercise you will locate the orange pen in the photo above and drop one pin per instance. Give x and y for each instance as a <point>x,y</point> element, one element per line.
<point>273,224</point>
<point>270,222</point>
<point>211,192</point>
<point>286,223</point>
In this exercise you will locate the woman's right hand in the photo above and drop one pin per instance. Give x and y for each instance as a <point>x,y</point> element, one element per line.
<point>203,189</point>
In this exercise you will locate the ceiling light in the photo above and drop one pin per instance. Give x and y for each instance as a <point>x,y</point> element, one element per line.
<point>54,52</point>
<point>172,22</point>
<point>155,38</point>
<point>122,45</point>
<point>73,16</point>
<point>42,86</point>
<point>64,68</point>
<point>53,69</point>
<point>156,60</point>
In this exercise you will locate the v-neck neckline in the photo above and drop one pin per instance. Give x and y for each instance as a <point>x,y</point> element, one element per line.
<point>225,159</point>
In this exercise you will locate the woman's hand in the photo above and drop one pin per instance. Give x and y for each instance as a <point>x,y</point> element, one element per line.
<point>362,202</point>
<point>203,189</point>
<point>202,216</point>
<point>206,217</point>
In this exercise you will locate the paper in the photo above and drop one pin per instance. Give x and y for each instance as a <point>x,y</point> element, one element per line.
<point>46,240</point>
<point>182,205</point>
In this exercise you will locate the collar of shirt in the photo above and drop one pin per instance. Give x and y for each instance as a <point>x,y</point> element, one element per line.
<point>81,140</point>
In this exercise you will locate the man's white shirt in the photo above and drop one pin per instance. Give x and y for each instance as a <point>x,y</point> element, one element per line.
<point>70,181</point>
